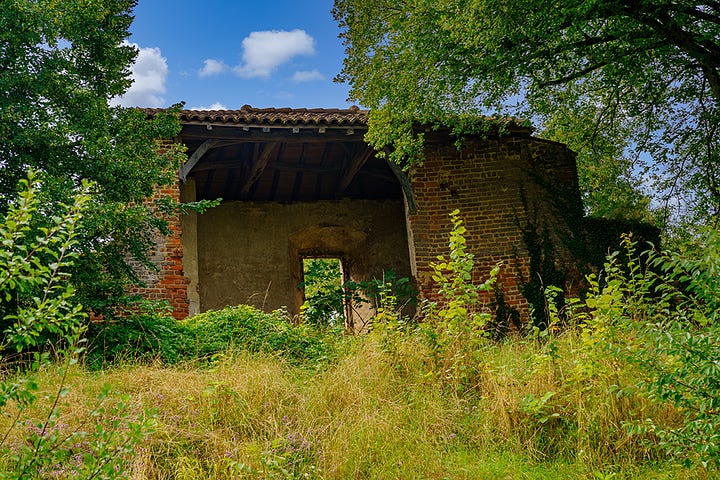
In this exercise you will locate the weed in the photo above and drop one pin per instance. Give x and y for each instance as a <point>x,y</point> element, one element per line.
<point>37,298</point>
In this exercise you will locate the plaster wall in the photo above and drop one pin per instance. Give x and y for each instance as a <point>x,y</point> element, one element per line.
<point>250,252</point>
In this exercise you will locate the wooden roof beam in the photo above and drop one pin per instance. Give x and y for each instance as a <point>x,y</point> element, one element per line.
<point>356,163</point>
<point>198,154</point>
<point>271,134</point>
<point>258,166</point>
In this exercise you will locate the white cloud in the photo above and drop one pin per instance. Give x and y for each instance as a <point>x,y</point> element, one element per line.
<point>264,51</point>
<point>148,74</point>
<point>212,67</point>
<point>214,106</point>
<point>307,76</point>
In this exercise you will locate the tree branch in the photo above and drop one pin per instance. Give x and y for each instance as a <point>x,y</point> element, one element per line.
<point>699,14</point>
<point>706,53</point>
<point>573,76</point>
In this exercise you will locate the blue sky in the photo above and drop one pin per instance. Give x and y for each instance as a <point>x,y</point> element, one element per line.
<point>228,53</point>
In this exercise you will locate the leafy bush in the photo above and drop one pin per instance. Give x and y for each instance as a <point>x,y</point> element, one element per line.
<point>149,333</point>
<point>662,321</point>
<point>324,297</point>
<point>375,292</point>
<point>37,298</point>
<point>456,327</point>
<point>246,328</point>
<point>152,334</point>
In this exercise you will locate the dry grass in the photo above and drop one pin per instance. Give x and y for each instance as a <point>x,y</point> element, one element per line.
<point>376,415</point>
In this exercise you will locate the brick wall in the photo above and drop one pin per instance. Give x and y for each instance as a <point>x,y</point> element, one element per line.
<point>501,187</point>
<point>167,282</point>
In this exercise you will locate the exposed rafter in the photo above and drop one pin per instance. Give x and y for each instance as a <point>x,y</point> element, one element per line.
<point>258,166</point>
<point>353,167</point>
<point>299,175</point>
<point>198,154</point>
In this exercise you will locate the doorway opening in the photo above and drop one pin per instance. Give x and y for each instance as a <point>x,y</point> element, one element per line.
<point>324,300</point>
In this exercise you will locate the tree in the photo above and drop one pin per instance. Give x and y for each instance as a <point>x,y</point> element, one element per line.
<point>324,296</point>
<point>60,64</point>
<point>646,72</point>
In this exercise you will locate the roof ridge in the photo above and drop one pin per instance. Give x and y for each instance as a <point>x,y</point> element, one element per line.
<point>352,116</point>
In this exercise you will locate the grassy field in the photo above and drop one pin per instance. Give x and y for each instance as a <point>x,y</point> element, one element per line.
<point>371,414</point>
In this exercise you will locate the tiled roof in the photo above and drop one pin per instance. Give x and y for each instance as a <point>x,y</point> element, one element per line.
<point>248,115</point>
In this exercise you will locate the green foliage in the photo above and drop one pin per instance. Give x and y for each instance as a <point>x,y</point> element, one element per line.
<point>150,333</point>
<point>244,328</point>
<point>36,299</point>
<point>387,296</point>
<point>646,74</point>
<point>145,334</point>
<point>60,65</point>
<point>610,179</point>
<point>51,449</point>
<point>291,457</point>
<point>389,323</point>
<point>324,296</point>
<point>543,272</point>
<point>453,275</point>
<point>255,416</point>
<point>36,295</point>
<point>662,320</point>
<point>456,325</point>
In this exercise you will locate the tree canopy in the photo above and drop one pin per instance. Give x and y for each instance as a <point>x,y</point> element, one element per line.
<point>645,74</point>
<point>60,64</point>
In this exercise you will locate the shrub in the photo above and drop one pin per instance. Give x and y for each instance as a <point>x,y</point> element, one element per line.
<point>324,303</point>
<point>152,334</point>
<point>456,327</point>
<point>37,298</point>
<point>663,322</point>
<point>243,327</point>
<point>149,333</point>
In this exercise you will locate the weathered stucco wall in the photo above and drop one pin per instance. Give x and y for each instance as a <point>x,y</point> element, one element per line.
<point>251,252</point>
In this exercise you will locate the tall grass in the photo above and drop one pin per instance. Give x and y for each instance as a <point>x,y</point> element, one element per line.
<point>628,389</point>
<point>376,414</point>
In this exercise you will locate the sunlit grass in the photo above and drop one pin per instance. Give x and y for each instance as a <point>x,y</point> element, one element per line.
<point>378,415</point>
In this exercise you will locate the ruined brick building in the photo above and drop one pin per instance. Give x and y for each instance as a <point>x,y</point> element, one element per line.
<point>299,183</point>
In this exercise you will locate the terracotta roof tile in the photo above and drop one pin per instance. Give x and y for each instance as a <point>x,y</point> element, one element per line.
<point>248,115</point>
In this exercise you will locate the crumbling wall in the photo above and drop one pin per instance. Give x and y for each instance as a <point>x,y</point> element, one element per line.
<point>518,197</point>
<point>166,281</point>
<point>504,188</point>
<point>250,252</point>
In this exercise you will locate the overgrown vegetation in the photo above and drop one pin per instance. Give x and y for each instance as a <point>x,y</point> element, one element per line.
<point>324,296</point>
<point>327,297</point>
<point>61,66</point>
<point>42,333</point>
<point>154,335</point>
<point>625,387</point>
<point>633,87</point>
